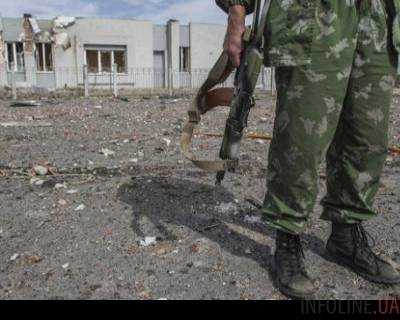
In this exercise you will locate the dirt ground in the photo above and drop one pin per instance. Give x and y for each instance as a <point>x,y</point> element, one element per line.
<point>122,215</point>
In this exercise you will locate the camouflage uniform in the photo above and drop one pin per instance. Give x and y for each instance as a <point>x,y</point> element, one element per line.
<point>335,64</point>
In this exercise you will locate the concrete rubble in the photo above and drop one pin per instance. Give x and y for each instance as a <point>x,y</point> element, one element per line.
<point>143,223</point>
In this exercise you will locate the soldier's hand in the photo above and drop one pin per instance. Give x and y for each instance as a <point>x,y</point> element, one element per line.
<point>233,44</point>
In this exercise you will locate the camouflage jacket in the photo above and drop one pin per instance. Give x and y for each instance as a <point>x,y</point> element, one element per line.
<point>292,28</point>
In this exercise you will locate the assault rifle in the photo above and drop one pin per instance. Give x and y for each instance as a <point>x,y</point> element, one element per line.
<point>240,98</point>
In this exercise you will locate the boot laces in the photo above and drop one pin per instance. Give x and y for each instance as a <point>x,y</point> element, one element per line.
<point>364,243</point>
<point>292,260</point>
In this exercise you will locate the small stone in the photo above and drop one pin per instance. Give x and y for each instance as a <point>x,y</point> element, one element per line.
<point>80,207</point>
<point>14,257</point>
<point>34,259</point>
<point>72,191</point>
<point>107,152</point>
<point>36,182</point>
<point>148,241</point>
<point>65,266</point>
<point>252,219</point>
<point>167,141</point>
<point>60,186</point>
<point>226,207</point>
<point>62,202</point>
<point>40,170</point>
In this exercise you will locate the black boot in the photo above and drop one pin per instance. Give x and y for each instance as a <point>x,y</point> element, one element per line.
<point>348,244</point>
<point>291,275</point>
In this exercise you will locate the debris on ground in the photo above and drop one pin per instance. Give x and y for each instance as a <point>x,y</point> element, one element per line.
<point>203,241</point>
<point>252,219</point>
<point>41,170</point>
<point>36,181</point>
<point>60,186</point>
<point>107,152</point>
<point>33,259</point>
<point>26,124</point>
<point>62,202</point>
<point>27,103</point>
<point>229,207</point>
<point>80,207</point>
<point>14,257</point>
<point>167,141</point>
<point>148,241</point>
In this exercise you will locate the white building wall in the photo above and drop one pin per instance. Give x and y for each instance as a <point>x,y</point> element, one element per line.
<point>173,40</point>
<point>137,36</point>
<point>3,68</point>
<point>206,41</point>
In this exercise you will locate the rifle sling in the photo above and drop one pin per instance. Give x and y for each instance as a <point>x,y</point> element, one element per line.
<point>208,99</point>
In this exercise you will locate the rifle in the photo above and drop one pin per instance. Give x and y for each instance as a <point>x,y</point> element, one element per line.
<point>240,99</point>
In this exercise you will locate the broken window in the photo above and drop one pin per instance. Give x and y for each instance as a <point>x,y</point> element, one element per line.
<point>106,61</point>
<point>184,59</point>
<point>44,57</point>
<point>120,61</point>
<point>101,58</point>
<point>15,56</point>
<point>92,61</point>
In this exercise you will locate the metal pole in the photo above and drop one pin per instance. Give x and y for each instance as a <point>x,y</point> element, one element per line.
<point>13,82</point>
<point>114,80</point>
<point>85,80</point>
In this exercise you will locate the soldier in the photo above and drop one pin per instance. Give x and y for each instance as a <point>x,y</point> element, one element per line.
<point>335,72</point>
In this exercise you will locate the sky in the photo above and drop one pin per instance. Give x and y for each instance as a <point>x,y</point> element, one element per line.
<point>158,11</point>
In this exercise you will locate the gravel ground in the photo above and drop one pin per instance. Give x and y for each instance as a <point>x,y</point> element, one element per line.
<point>122,215</point>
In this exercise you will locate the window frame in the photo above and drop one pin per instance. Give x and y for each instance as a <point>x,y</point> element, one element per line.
<point>15,56</point>
<point>184,56</point>
<point>102,48</point>
<point>42,45</point>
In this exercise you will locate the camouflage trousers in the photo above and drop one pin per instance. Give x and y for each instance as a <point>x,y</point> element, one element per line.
<point>335,108</point>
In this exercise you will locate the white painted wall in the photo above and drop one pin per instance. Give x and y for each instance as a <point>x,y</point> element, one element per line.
<point>206,41</point>
<point>137,36</point>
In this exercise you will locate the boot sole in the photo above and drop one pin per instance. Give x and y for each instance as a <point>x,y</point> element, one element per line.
<point>346,263</point>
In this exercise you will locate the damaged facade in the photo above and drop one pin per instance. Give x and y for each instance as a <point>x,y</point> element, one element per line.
<point>52,53</point>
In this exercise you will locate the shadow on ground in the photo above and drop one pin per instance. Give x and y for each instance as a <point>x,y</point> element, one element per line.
<point>168,201</point>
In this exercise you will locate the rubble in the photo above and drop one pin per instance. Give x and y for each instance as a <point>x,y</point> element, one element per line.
<point>26,103</point>
<point>61,37</point>
<point>14,257</point>
<point>252,219</point>
<point>36,181</point>
<point>107,152</point>
<point>25,124</point>
<point>148,241</point>
<point>80,207</point>
<point>60,186</point>
<point>62,202</point>
<point>226,208</point>
<point>34,25</point>
<point>63,22</point>
<point>40,170</point>
<point>205,236</point>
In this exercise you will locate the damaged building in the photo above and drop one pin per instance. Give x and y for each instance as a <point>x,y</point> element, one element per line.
<point>53,53</point>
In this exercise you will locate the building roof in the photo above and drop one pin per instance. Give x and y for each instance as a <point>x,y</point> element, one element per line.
<point>12,27</point>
